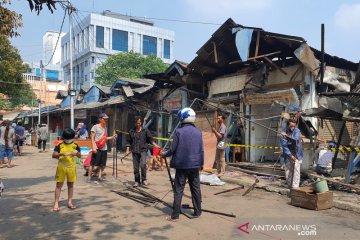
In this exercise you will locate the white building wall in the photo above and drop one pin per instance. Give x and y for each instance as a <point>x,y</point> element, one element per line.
<point>49,46</point>
<point>87,26</point>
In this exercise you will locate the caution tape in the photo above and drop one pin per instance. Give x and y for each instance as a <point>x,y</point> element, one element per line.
<point>342,149</point>
<point>157,138</point>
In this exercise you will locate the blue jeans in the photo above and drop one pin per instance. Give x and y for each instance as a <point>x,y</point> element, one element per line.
<point>6,152</point>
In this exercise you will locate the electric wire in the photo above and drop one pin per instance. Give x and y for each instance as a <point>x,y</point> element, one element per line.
<point>57,41</point>
<point>163,19</point>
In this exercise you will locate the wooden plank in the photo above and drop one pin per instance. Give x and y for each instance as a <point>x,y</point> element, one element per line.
<point>274,65</point>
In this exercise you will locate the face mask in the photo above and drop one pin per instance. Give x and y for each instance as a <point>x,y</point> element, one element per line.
<point>291,129</point>
<point>68,141</point>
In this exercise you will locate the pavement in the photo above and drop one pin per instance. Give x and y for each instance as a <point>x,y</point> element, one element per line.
<point>26,209</point>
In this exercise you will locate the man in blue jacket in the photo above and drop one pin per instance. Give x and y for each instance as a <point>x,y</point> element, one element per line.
<point>293,153</point>
<point>187,150</point>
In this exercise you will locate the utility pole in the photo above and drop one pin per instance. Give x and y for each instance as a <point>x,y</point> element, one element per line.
<point>72,91</point>
<point>32,100</point>
<point>40,92</point>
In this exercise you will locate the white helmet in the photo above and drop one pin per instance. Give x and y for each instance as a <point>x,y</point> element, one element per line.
<point>186,115</point>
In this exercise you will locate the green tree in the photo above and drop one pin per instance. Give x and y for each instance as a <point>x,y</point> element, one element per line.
<point>12,83</point>
<point>10,21</point>
<point>128,65</point>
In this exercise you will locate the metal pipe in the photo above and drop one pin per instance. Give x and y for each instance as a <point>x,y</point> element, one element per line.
<point>70,9</point>
<point>145,199</point>
<point>136,200</point>
<point>160,200</point>
<point>186,206</point>
<point>322,53</point>
<point>229,190</point>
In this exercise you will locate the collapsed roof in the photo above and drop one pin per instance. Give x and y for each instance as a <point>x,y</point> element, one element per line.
<point>234,46</point>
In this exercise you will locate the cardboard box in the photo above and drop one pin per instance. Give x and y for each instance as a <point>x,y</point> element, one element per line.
<point>305,197</point>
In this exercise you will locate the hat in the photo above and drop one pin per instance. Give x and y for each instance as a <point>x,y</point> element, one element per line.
<point>103,115</point>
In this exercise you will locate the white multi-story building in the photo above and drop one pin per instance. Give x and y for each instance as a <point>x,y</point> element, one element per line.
<point>98,36</point>
<point>50,49</point>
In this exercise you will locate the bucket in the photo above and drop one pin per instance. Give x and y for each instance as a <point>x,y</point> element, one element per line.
<point>84,151</point>
<point>156,151</point>
<point>320,186</point>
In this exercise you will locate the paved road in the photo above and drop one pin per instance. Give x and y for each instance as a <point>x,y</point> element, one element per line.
<point>25,210</point>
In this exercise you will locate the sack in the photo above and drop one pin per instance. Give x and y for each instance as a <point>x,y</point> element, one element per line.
<point>101,142</point>
<point>221,145</point>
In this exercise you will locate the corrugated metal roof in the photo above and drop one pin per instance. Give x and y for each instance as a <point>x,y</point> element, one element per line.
<point>104,89</point>
<point>61,94</point>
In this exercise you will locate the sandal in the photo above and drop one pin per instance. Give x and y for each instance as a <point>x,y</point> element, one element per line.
<point>171,219</point>
<point>71,207</point>
<point>56,209</point>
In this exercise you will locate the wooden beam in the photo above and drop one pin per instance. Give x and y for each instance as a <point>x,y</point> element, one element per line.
<point>215,52</point>
<point>296,73</point>
<point>264,55</point>
<point>257,43</point>
<point>274,65</point>
<point>254,58</point>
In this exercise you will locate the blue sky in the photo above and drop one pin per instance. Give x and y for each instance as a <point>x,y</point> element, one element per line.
<point>294,17</point>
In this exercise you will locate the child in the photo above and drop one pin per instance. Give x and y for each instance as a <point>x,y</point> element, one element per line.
<point>155,161</point>
<point>66,153</point>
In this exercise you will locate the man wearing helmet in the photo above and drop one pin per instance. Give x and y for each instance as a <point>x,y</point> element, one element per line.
<point>187,149</point>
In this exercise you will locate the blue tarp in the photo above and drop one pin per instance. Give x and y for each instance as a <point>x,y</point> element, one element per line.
<point>242,41</point>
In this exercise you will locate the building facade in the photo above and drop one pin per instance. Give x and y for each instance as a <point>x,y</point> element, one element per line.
<point>50,86</point>
<point>51,47</point>
<point>98,36</point>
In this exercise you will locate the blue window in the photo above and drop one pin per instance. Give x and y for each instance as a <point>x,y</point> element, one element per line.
<point>99,37</point>
<point>149,45</point>
<point>119,40</point>
<point>166,49</point>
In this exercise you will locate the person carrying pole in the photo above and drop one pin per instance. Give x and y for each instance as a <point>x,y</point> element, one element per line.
<point>187,149</point>
<point>137,141</point>
<point>293,153</point>
<point>220,135</point>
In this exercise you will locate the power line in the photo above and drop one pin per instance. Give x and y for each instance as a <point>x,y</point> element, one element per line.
<point>164,19</point>
<point>14,83</point>
<point>57,41</point>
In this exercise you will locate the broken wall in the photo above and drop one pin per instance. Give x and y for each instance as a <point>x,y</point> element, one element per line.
<point>227,84</point>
